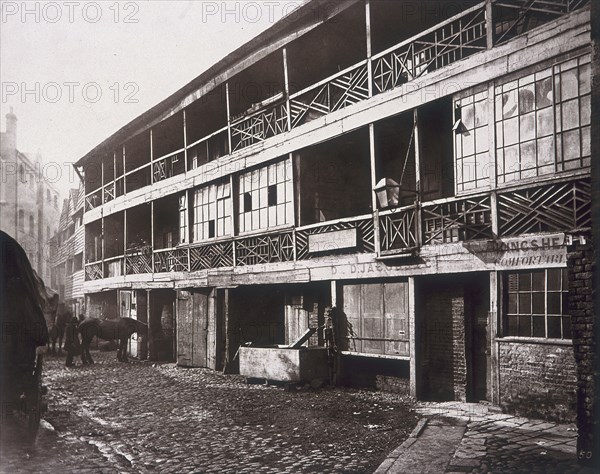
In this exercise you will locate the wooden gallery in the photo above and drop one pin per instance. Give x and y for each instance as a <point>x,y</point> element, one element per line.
<point>428,175</point>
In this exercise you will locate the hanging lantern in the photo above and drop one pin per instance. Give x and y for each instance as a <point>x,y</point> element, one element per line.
<point>388,193</point>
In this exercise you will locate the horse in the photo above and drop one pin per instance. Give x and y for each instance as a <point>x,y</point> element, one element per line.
<point>49,302</point>
<point>119,329</point>
<point>57,330</point>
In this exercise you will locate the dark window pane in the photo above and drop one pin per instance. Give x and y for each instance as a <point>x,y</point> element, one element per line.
<point>272,195</point>
<point>247,202</point>
<point>211,229</point>
<point>538,303</point>
<point>554,279</point>
<point>524,303</point>
<point>513,326</point>
<point>512,303</point>
<point>567,332</point>
<point>554,327</point>
<point>525,326</point>
<point>539,326</point>
<point>525,281</point>
<point>565,279</point>
<point>565,303</point>
<point>538,281</point>
<point>554,305</point>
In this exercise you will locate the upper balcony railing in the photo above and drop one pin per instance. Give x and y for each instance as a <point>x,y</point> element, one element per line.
<point>478,28</point>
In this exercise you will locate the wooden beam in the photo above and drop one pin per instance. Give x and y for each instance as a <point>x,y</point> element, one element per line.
<point>185,149</point>
<point>228,105</point>
<point>373,166</point>
<point>495,308</point>
<point>412,337</point>
<point>369,46</point>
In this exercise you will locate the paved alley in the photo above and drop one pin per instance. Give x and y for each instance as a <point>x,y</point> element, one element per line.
<point>145,417</point>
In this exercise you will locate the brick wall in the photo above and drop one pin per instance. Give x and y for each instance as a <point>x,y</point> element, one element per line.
<point>581,306</point>
<point>538,380</point>
<point>443,363</point>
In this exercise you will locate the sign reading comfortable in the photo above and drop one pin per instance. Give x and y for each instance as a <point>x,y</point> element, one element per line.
<point>536,250</point>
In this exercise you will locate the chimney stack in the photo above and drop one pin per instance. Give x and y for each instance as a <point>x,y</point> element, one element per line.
<point>11,131</point>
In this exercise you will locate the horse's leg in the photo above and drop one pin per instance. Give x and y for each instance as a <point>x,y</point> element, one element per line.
<point>123,349</point>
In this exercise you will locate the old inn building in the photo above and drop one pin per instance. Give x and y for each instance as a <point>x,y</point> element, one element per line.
<point>422,166</point>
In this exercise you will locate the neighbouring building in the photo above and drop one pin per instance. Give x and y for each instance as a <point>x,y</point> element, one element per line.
<point>428,174</point>
<point>67,274</point>
<point>28,201</point>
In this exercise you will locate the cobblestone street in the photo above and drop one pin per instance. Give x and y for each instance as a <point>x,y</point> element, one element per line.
<point>145,417</point>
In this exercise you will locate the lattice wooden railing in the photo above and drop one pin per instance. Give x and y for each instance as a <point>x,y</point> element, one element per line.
<point>365,232</point>
<point>93,200</point>
<point>398,231</point>
<point>553,207</point>
<point>457,221</point>
<point>514,17</point>
<point>93,271</point>
<point>165,167</point>
<point>109,192</point>
<point>256,128</point>
<point>215,255</point>
<point>451,41</point>
<point>171,260</point>
<point>138,263</point>
<point>270,248</point>
<point>341,90</point>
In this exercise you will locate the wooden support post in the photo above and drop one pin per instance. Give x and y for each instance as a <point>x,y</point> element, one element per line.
<point>103,239</point>
<point>124,178</point>
<point>373,161</point>
<point>287,89</point>
<point>151,158</point>
<point>124,238</point>
<point>369,47</point>
<point>417,145</point>
<point>334,299</point>
<point>185,150</point>
<point>489,24</point>
<point>102,182</point>
<point>412,336</point>
<point>152,233</point>
<point>228,117</point>
<point>495,309</point>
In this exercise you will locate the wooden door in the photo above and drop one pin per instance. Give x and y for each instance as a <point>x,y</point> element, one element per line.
<point>192,325</point>
<point>377,315</point>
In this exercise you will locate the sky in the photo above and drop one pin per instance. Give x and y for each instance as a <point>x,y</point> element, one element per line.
<point>75,72</point>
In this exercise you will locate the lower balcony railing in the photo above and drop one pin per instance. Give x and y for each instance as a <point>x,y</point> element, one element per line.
<point>560,206</point>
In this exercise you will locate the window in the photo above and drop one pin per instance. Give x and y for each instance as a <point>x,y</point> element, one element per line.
<point>265,197</point>
<point>471,142</point>
<point>31,225</point>
<point>22,220</point>
<point>532,110</point>
<point>537,304</point>
<point>55,201</point>
<point>48,198</point>
<point>21,174</point>
<point>183,219</point>
<point>212,212</point>
<point>78,262</point>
